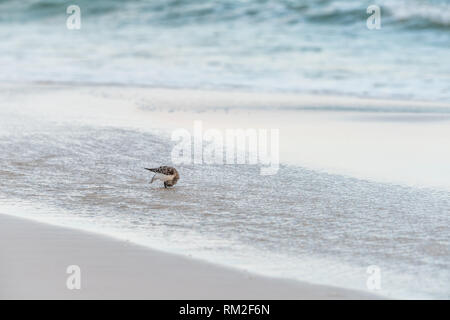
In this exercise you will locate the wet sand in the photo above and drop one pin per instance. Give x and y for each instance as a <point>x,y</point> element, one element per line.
<point>34,258</point>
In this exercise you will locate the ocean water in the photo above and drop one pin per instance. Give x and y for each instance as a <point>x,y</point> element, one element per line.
<point>317,46</point>
<point>301,223</point>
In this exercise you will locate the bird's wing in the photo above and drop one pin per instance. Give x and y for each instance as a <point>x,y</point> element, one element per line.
<point>163,170</point>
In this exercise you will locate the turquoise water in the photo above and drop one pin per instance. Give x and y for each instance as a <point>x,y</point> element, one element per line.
<point>273,45</point>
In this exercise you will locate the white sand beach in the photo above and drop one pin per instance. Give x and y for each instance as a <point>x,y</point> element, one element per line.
<point>34,258</point>
<point>361,182</point>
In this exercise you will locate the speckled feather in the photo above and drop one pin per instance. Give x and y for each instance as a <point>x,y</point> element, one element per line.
<point>168,171</point>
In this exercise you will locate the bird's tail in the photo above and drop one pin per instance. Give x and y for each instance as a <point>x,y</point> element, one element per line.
<point>152,170</point>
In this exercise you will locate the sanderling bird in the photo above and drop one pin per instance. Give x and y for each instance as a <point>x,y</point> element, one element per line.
<point>168,175</point>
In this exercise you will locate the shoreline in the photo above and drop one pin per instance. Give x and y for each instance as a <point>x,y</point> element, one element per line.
<point>287,100</point>
<point>377,139</point>
<point>35,257</point>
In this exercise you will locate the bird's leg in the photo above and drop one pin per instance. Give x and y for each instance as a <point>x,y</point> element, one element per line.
<point>165,184</point>
<point>153,179</point>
